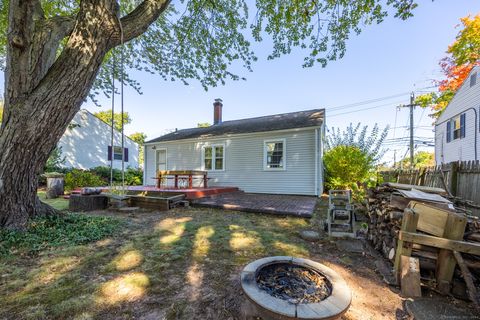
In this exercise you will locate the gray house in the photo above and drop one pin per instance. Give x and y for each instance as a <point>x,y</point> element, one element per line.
<point>277,154</point>
<point>457,135</point>
<point>87,143</point>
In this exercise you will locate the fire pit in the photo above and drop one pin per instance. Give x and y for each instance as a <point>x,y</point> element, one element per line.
<point>293,288</point>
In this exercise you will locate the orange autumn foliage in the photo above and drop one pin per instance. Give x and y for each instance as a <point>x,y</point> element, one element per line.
<point>463,55</point>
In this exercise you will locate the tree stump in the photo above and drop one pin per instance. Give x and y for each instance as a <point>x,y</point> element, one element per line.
<point>80,202</point>
<point>57,184</point>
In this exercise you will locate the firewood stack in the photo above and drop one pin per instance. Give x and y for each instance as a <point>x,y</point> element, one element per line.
<point>385,221</point>
<point>385,210</point>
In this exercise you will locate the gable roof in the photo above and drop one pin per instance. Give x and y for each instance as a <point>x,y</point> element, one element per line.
<point>292,120</point>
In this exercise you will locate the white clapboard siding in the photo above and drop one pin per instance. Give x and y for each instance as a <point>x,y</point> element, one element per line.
<point>244,162</point>
<point>466,100</point>
<point>85,143</point>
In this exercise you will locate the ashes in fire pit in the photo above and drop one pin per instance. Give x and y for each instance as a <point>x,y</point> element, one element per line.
<point>294,283</point>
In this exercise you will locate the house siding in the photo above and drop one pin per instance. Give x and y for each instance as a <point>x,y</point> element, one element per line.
<point>466,100</point>
<point>85,144</point>
<point>244,167</point>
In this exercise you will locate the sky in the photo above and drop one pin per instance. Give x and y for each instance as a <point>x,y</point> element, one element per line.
<point>385,60</point>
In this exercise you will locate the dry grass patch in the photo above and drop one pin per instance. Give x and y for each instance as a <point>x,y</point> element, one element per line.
<point>183,264</point>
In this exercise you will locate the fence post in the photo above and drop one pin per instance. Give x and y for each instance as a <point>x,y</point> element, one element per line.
<point>454,179</point>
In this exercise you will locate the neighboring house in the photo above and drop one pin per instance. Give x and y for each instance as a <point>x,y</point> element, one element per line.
<point>457,128</point>
<point>87,143</point>
<point>278,154</point>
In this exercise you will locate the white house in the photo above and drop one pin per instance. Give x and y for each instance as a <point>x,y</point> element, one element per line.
<point>457,129</point>
<point>277,154</point>
<point>87,143</point>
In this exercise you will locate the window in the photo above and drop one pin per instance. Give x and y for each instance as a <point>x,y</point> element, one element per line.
<point>473,79</point>
<point>213,157</point>
<point>274,155</point>
<point>117,153</point>
<point>456,128</point>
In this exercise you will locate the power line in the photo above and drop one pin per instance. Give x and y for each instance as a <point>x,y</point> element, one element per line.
<point>363,109</point>
<point>370,101</point>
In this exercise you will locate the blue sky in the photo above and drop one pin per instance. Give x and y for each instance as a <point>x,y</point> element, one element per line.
<point>387,59</point>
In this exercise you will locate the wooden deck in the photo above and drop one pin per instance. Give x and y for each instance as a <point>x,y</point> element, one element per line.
<point>190,194</point>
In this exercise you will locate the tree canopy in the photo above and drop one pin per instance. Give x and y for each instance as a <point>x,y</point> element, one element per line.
<point>462,55</point>
<point>57,53</point>
<point>421,159</point>
<point>203,40</point>
<point>106,116</point>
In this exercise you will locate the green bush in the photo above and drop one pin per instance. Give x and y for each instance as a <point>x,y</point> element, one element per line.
<point>134,177</point>
<point>348,167</point>
<point>77,178</point>
<point>55,231</point>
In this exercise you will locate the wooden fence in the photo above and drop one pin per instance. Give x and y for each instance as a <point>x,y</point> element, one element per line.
<point>461,179</point>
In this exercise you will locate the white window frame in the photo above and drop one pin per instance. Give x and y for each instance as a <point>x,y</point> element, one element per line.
<point>213,146</point>
<point>284,155</point>
<point>156,159</point>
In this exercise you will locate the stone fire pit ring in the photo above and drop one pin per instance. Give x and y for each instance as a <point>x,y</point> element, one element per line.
<point>261,303</point>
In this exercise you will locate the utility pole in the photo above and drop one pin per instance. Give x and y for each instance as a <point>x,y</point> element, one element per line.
<point>412,106</point>
<point>412,148</point>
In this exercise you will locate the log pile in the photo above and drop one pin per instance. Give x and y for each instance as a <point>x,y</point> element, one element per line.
<point>385,221</point>
<point>385,212</point>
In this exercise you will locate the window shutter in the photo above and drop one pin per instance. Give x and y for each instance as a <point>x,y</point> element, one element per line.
<point>449,131</point>
<point>125,154</point>
<point>109,153</point>
<point>462,125</point>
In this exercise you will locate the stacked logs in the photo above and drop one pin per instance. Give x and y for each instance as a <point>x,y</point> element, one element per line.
<point>385,214</point>
<point>385,220</point>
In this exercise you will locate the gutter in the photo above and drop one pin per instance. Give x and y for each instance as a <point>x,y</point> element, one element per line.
<point>476,127</point>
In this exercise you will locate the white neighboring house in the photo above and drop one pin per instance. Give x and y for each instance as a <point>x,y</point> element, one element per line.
<point>457,129</point>
<point>87,143</point>
<point>277,154</point>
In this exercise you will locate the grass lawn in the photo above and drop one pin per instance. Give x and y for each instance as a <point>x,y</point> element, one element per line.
<point>58,203</point>
<point>183,264</point>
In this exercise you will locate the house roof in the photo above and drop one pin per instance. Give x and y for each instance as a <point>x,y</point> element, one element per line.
<point>292,120</point>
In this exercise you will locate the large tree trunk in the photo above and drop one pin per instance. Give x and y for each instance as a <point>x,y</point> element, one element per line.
<point>43,92</point>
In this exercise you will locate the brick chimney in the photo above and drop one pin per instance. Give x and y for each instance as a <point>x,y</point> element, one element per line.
<point>217,111</point>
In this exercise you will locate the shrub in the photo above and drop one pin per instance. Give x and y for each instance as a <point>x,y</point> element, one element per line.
<point>134,177</point>
<point>77,178</point>
<point>104,173</point>
<point>55,231</point>
<point>348,167</point>
<point>351,156</point>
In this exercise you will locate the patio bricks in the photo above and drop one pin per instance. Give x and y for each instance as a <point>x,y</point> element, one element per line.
<point>301,206</point>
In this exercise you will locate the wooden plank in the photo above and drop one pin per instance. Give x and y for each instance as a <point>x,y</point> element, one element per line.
<point>421,188</point>
<point>409,224</point>
<point>442,243</point>
<point>467,276</point>
<point>431,220</point>
<point>454,230</point>
<point>410,277</point>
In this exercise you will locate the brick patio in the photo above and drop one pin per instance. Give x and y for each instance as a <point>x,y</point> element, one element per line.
<point>301,206</point>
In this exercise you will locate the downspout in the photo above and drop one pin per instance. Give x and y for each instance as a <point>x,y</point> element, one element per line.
<point>476,127</point>
<point>144,164</point>
<point>316,162</point>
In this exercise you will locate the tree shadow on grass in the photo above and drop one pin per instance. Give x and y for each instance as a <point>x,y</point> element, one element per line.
<point>183,264</point>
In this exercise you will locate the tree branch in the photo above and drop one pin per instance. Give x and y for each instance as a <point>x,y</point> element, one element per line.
<point>138,21</point>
